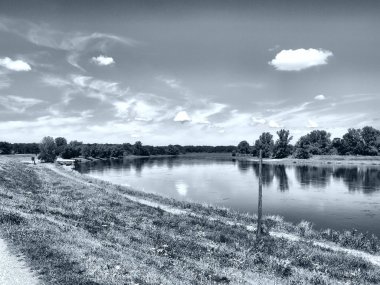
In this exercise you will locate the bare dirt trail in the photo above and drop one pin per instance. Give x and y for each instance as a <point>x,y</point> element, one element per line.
<point>13,270</point>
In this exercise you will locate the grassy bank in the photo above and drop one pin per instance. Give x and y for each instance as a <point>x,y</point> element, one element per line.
<point>74,229</point>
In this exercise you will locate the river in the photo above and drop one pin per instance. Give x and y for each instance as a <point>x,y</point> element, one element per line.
<point>338,197</point>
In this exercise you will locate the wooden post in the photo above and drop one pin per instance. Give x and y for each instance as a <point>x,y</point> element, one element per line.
<point>260,206</point>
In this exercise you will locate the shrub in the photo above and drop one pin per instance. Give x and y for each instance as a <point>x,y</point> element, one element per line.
<point>302,153</point>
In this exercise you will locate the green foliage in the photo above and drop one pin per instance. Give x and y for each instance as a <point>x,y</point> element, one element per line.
<point>47,150</point>
<point>173,150</point>
<point>29,148</point>
<point>316,142</point>
<point>139,149</point>
<point>73,149</point>
<point>302,153</point>
<point>61,144</point>
<point>243,147</point>
<point>266,144</point>
<point>5,148</point>
<point>365,141</point>
<point>282,147</point>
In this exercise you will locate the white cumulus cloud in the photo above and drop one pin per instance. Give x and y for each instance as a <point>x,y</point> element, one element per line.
<point>320,97</point>
<point>15,65</point>
<point>274,124</point>
<point>182,116</point>
<point>103,60</point>
<point>299,59</point>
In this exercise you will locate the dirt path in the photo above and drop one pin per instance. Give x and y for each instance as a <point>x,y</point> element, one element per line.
<point>13,271</point>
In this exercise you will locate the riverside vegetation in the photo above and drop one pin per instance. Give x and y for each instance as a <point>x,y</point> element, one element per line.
<point>363,142</point>
<point>73,229</point>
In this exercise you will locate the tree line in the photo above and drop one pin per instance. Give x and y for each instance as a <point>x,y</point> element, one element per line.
<point>364,141</point>
<point>49,148</point>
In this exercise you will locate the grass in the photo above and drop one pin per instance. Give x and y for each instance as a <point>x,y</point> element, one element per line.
<point>73,229</point>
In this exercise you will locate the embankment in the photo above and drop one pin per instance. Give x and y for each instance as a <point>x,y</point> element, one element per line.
<point>73,229</point>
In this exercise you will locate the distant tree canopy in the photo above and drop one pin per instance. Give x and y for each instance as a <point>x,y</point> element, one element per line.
<point>282,147</point>
<point>29,148</point>
<point>61,143</point>
<point>5,148</point>
<point>316,142</point>
<point>48,150</point>
<point>365,141</point>
<point>243,147</point>
<point>265,143</point>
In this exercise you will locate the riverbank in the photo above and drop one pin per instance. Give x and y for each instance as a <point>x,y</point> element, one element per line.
<point>73,229</point>
<point>328,160</point>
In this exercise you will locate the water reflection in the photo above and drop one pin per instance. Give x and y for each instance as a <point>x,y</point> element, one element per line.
<point>359,179</point>
<point>282,177</point>
<point>314,176</point>
<point>182,188</point>
<point>363,179</point>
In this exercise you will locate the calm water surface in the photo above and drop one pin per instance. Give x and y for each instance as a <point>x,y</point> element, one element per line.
<point>330,197</point>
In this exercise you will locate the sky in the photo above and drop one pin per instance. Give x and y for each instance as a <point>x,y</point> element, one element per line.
<point>186,72</point>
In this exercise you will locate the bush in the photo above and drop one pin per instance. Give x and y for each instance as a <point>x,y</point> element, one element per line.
<point>302,153</point>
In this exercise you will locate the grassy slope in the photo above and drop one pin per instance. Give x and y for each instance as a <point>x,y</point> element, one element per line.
<point>83,231</point>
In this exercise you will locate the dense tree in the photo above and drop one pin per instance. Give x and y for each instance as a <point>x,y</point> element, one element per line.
<point>139,149</point>
<point>5,148</point>
<point>282,147</point>
<point>371,140</point>
<point>73,149</point>
<point>352,142</point>
<point>302,153</point>
<point>266,144</point>
<point>173,150</point>
<point>26,148</point>
<point>61,144</point>
<point>243,147</point>
<point>47,150</point>
<point>316,142</point>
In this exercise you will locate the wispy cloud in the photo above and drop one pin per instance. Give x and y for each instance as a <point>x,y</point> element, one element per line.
<point>256,120</point>
<point>5,82</point>
<point>312,124</point>
<point>74,43</point>
<point>252,85</point>
<point>86,85</point>
<point>18,104</point>
<point>299,59</point>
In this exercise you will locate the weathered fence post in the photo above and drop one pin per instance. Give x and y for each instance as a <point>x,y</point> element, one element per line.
<point>260,206</point>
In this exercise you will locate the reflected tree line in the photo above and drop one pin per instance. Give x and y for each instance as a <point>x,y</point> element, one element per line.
<point>365,179</point>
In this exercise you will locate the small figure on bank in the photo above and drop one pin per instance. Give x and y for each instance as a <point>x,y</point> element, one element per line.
<point>34,160</point>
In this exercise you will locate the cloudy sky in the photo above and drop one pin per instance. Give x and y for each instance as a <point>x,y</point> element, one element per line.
<point>187,72</point>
